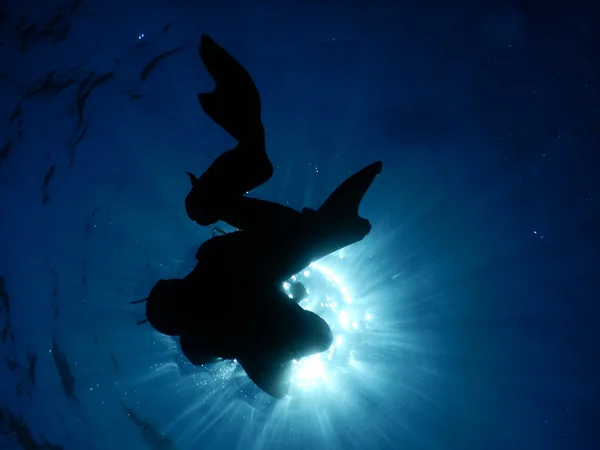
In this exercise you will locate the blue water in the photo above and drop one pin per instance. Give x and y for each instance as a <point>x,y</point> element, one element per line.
<point>465,320</point>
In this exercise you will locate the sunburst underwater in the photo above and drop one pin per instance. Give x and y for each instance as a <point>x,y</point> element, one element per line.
<point>331,299</point>
<point>376,350</point>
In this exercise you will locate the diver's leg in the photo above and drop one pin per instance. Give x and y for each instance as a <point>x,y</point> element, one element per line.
<point>315,234</point>
<point>253,214</point>
<point>230,176</point>
<point>235,106</point>
<point>334,225</point>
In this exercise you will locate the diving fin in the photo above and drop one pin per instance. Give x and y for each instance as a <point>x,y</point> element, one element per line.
<point>193,178</point>
<point>336,224</point>
<point>345,200</point>
<point>235,103</point>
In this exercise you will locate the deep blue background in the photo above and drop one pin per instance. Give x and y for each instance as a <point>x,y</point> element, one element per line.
<point>483,262</point>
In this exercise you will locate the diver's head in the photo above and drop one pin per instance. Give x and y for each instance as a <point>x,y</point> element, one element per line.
<point>163,307</point>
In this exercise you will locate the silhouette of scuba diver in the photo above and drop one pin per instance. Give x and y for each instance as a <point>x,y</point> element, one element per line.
<point>231,305</point>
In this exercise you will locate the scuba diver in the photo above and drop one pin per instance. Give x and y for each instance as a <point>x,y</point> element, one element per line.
<point>231,305</point>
